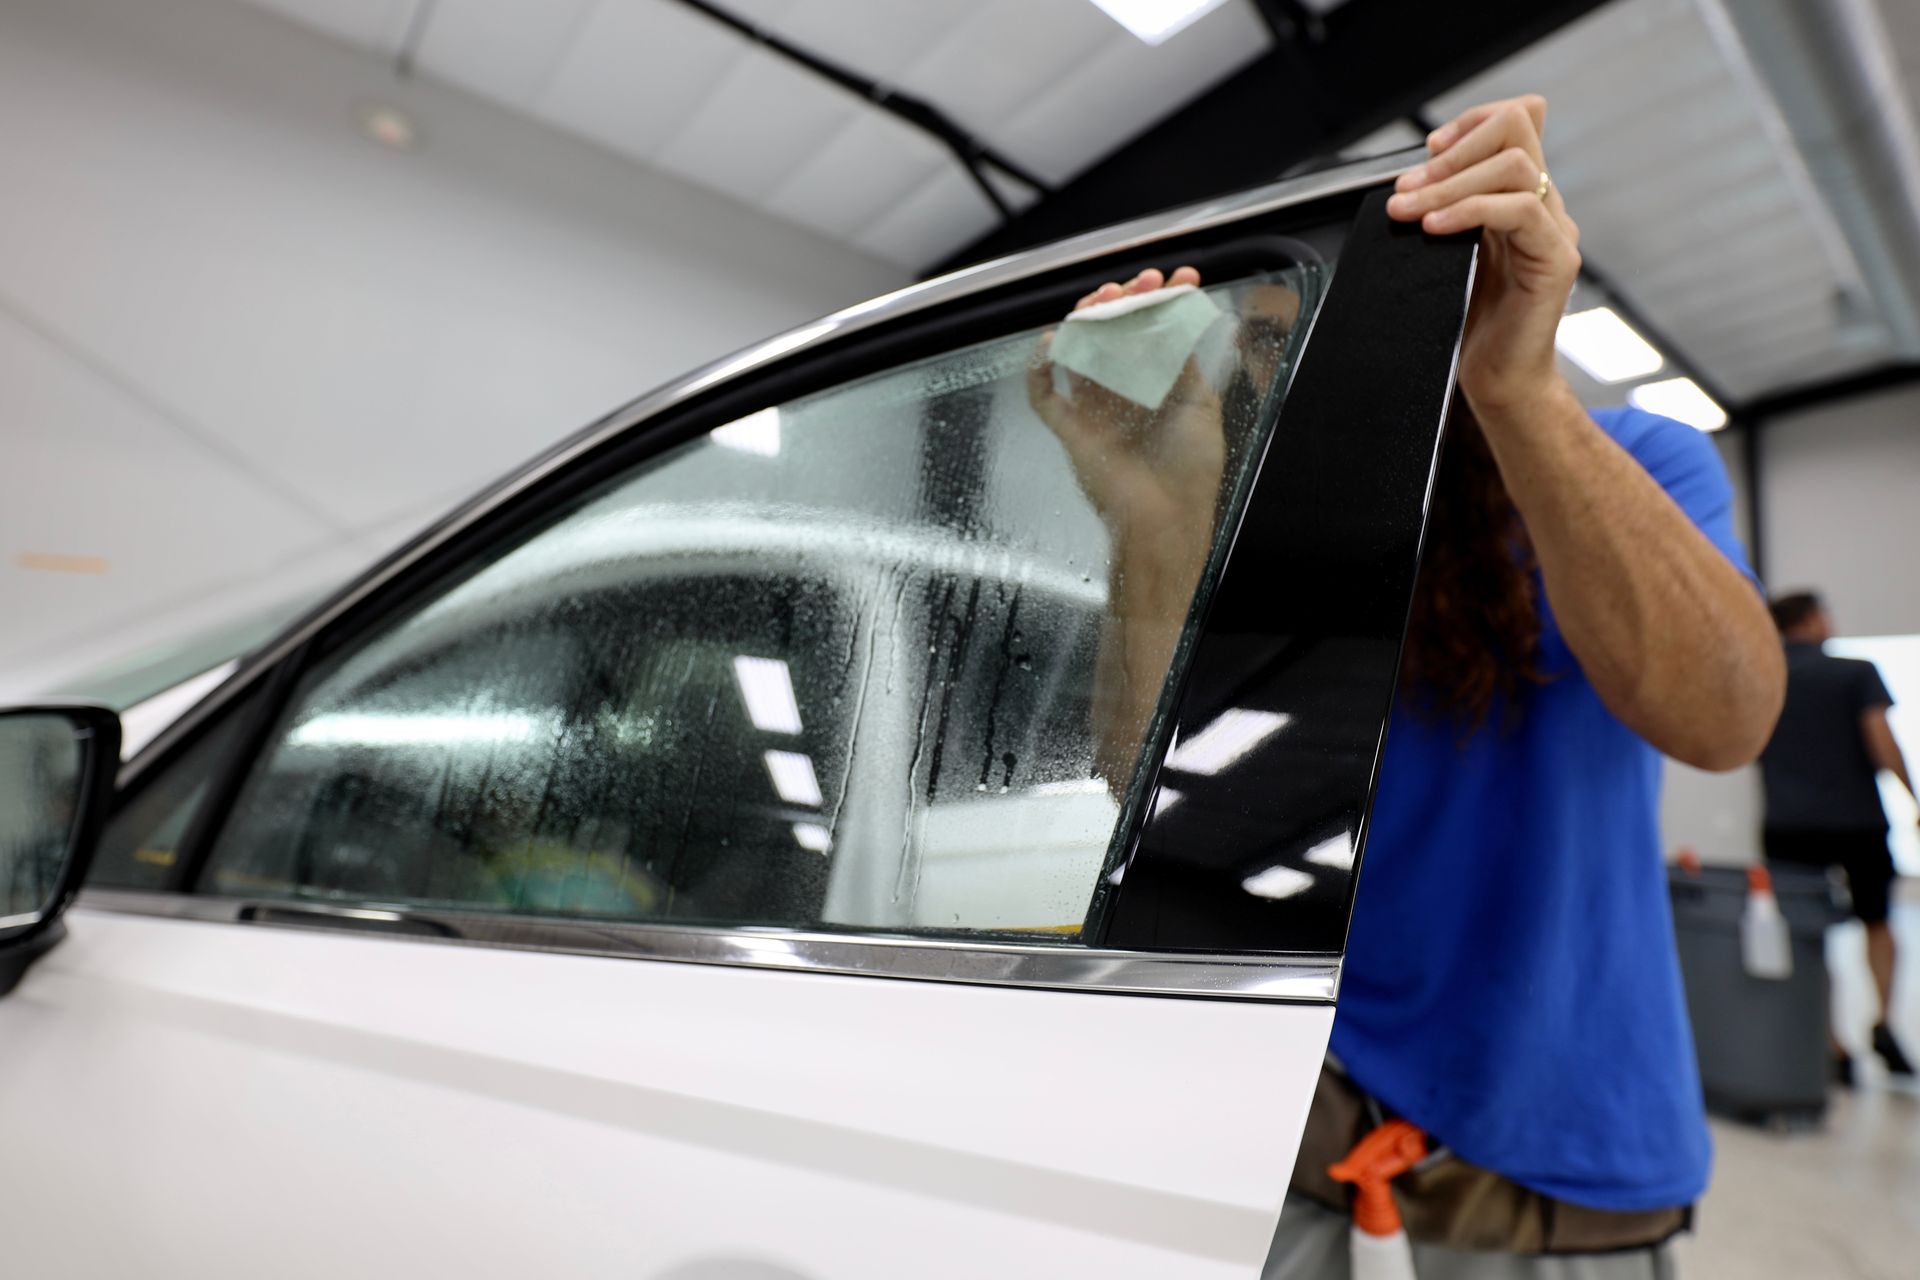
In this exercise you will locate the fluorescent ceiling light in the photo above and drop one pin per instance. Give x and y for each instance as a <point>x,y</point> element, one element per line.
<point>768,693</point>
<point>792,775</point>
<point>812,837</point>
<point>1680,399</point>
<point>1155,21</point>
<point>376,729</point>
<point>1233,735</point>
<point>756,433</point>
<point>1278,882</point>
<point>1335,852</point>
<point>1606,346</point>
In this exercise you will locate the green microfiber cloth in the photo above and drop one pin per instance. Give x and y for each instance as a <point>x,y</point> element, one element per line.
<point>1136,346</point>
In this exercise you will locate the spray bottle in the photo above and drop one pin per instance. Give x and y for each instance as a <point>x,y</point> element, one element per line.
<point>1766,947</point>
<point>1378,1243</point>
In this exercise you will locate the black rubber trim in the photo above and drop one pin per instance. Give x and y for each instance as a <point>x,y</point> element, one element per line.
<point>1307,620</point>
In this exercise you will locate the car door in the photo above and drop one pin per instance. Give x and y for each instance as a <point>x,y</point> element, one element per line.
<point>788,830</point>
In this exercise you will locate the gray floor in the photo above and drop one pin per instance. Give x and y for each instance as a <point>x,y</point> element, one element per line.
<point>1841,1203</point>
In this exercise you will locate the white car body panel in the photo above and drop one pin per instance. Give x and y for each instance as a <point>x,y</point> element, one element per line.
<point>428,1109</point>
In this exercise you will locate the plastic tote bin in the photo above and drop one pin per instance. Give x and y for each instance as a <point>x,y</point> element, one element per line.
<point>1762,1042</point>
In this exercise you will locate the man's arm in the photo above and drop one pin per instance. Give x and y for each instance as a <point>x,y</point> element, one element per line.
<point>1882,749</point>
<point>1676,641</point>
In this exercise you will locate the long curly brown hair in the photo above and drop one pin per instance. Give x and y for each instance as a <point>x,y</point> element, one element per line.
<point>1473,639</point>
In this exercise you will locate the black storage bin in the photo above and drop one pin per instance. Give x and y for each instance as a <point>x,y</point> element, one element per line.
<point>1763,1043</point>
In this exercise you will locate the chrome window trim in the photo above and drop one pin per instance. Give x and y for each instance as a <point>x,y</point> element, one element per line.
<point>1137,233</point>
<point>1062,967</point>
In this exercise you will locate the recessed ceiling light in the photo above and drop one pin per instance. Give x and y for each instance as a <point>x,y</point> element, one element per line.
<point>1155,21</point>
<point>1606,346</point>
<point>387,125</point>
<point>1680,399</point>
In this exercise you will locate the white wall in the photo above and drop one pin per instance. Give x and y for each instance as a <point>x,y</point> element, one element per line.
<point>243,348</point>
<point>1842,508</point>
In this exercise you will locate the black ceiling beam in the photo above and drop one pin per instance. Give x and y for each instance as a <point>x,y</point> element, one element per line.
<point>973,154</point>
<point>1373,61</point>
<point>1815,395</point>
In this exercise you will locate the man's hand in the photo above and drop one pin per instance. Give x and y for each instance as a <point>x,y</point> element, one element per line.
<point>1143,470</point>
<point>1489,171</point>
<point>1154,478</point>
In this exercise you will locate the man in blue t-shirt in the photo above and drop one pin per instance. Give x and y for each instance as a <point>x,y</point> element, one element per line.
<point>1511,985</point>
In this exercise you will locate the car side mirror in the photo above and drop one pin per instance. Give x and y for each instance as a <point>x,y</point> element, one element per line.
<point>57,766</point>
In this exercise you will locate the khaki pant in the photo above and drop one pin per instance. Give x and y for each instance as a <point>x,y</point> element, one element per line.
<point>1311,1244</point>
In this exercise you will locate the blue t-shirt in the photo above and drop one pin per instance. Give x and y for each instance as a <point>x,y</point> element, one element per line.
<point>1511,984</point>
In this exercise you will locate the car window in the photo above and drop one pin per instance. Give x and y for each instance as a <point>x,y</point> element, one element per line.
<point>847,662</point>
<point>141,845</point>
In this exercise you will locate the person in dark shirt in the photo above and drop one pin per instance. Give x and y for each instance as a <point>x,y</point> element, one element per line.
<point>1823,799</point>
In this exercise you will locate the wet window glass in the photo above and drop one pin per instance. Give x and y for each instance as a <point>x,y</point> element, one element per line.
<point>40,762</point>
<point>141,845</point>
<point>881,658</point>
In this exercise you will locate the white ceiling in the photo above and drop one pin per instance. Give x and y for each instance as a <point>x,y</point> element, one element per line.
<point>1687,199</point>
<point>1660,135</point>
<point>1053,83</point>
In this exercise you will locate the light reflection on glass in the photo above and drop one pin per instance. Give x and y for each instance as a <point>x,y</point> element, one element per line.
<point>767,690</point>
<point>1278,882</point>
<point>1226,740</point>
<point>793,777</point>
<point>812,837</point>
<point>372,729</point>
<point>1334,851</point>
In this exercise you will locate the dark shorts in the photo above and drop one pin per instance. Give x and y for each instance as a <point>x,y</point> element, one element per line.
<point>1861,852</point>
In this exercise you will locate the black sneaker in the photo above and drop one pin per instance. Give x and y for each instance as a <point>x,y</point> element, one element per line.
<point>1890,1052</point>
<point>1843,1070</point>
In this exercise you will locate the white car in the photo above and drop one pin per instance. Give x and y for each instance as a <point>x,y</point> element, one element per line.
<point>783,832</point>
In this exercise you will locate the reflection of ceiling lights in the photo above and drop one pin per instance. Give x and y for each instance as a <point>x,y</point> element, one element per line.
<point>1278,882</point>
<point>387,125</point>
<point>793,777</point>
<point>1680,399</point>
<point>1167,798</point>
<point>1155,21</point>
<point>376,729</point>
<point>1335,852</point>
<point>812,837</point>
<point>1606,346</point>
<point>768,692</point>
<point>1233,735</point>
<point>756,433</point>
